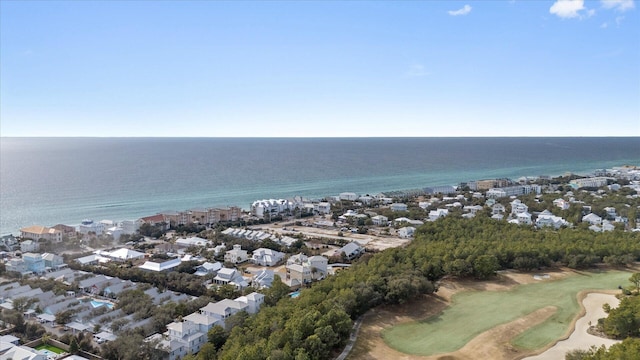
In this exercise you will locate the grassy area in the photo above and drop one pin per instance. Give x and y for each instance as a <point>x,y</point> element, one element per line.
<point>473,312</point>
<point>50,348</point>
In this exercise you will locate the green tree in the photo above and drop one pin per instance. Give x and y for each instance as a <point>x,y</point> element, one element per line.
<point>635,280</point>
<point>217,336</point>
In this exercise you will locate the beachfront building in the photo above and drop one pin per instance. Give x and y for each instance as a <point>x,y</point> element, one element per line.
<point>217,215</point>
<point>271,207</point>
<point>236,255</point>
<point>266,257</point>
<point>349,196</point>
<point>322,208</point>
<point>37,232</point>
<point>593,182</point>
<point>89,226</point>
<point>157,220</point>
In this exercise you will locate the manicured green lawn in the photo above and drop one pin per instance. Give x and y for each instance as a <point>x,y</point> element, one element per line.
<point>473,312</point>
<point>50,348</point>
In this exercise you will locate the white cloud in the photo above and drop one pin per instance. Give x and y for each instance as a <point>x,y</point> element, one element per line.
<point>463,11</point>
<point>618,5</point>
<point>416,70</point>
<point>567,8</point>
<point>619,20</point>
<point>604,25</point>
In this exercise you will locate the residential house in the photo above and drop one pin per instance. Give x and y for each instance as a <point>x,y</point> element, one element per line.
<point>380,220</point>
<point>236,255</point>
<point>208,268</point>
<point>266,257</point>
<point>611,212</point>
<point>352,250</point>
<point>16,265</point>
<point>253,301</point>
<point>33,262</point>
<point>322,208</point>
<point>438,213</point>
<point>160,266</point>
<point>29,246</point>
<point>562,204</point>
<point>9,242</point>
<point>406,232</point>
<point>592,219</point>
<point>497,208</point>
<point>222,309</point>
<point>231,277</point>
<point>522,219</point>
<point>124,254</point>
<point>518,207</point>
<point>301,270</point>
<point>398,207</point>
<point>547,219</point>
<point>192,241</point>
<point>348,196</point>
<point>263,279</point>
<point>10,351</point>
<point>52,261</point>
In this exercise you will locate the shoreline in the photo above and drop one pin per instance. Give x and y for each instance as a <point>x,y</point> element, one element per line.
<point>141,213</point>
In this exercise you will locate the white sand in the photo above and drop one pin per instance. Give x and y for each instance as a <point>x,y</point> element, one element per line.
<point>579,338</point>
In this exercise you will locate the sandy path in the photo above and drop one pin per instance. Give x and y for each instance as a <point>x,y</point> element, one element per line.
<point>579,338</point>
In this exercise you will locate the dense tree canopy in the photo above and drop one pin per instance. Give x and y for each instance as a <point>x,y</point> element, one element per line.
<point>320,319</point>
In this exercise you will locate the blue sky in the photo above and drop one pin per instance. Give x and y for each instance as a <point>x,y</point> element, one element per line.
<point>314,69</point>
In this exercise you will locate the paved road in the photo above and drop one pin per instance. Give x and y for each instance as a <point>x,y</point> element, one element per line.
<point>352,339</point>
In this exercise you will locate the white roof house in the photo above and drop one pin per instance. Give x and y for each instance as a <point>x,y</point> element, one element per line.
<point>406,232</point>
<point>125,254</point>
<point>438,213</point>
<point>192,241</point>
<point>236,255</point>
<point>546,218</point>
<point>352,250</point>
<point>160,266</point>
<point>398,207</point>
<point>380,220</point>
<point>266,257</point>
<point>592,218</point>
<point>253,301</point>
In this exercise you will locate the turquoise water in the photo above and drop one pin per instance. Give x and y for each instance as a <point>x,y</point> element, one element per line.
<point>47,181</point>
<point>295,294</point>
<point>95,304</point>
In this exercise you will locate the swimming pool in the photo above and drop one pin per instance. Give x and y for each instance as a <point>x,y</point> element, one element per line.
<point>96,303</point>
<point>295,294</point>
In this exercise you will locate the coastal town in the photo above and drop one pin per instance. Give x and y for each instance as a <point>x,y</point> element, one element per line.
<point>178,278</point>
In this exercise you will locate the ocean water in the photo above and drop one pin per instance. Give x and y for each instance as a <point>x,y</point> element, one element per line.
<point>47,181</point>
